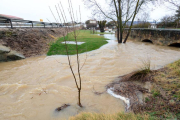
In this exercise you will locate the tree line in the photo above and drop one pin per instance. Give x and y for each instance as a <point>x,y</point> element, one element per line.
<point>120,12</point>
<point>170,21</point>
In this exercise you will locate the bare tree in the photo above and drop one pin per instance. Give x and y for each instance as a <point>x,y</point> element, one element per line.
<point>145,17</point>
<point>120,11</point>
<point>75,33</point>
<point>167,21</point>
<point>174,4</point>
<point>177,15</point>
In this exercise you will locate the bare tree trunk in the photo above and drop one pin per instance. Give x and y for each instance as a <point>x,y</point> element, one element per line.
<point>121,35</point>
<point>120,21</point>
<point>129,31</point>
<point>177,23</point>
<point>118,34</point>
<point>127,36</point>
<point>79,98</point>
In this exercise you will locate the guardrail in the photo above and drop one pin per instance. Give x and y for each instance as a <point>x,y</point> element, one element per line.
<point>18,23</point>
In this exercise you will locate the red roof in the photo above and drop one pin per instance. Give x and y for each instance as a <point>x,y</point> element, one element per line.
<point>10,17</point>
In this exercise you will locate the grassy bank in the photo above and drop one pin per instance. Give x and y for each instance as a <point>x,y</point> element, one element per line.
<point>92,42</point>
<point>162,97</point>
<point>117,116</point>
<point>169,80</point>
<point>163,100</point>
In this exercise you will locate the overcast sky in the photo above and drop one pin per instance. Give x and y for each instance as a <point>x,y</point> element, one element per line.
<point>39,9</point>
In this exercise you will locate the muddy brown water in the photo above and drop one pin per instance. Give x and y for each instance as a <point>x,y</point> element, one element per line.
<point>33,88</point>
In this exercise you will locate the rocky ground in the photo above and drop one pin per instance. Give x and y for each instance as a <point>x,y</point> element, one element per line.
<point>30,41</point>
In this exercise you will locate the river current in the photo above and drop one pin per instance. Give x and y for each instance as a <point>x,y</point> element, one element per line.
<point>31,89</point>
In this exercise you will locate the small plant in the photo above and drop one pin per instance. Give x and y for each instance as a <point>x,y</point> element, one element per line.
<point>146,66</point>
<point>175,68</point>
<point>141,75</point>
<point>175,96</point>
<point>163,75</point>
<point>178,72</point>
<point>147,99</point>
<point>162,103</point>
<point>8,33</point>
<point>155,93</point>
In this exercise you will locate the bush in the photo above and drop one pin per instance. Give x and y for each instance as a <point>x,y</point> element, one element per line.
<point>141,25</point>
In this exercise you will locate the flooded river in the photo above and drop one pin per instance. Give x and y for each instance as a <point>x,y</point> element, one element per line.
<point>33,88</point>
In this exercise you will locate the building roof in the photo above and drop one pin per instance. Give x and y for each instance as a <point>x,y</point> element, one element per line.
<point>10,17</point>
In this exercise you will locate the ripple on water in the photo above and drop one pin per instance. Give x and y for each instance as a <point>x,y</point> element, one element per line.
<point>52,74</point>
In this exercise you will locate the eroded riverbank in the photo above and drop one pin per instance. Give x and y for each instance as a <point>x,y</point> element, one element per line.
<point>24,83</point>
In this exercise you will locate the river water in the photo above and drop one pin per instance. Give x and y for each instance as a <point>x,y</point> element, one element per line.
<point>33,88</point>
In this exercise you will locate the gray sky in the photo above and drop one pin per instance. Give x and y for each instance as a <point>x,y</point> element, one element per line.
<point>39,9</point>
<point>159,11</point>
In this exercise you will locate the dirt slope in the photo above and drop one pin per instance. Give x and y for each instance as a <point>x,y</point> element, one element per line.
<point>30,41</point>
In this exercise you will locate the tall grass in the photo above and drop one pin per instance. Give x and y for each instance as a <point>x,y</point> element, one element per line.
<point>141,75</point>
<point>175,68</point>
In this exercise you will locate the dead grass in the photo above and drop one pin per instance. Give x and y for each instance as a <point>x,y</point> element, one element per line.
<point>175,68</point>
<point>142,75</point>
<point>169,80</point>
<point>164,101</point>
<point>158,106</point>
<point>117,116</point>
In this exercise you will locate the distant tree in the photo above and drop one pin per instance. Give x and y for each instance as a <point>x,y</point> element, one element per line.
<point>167,21</point>
<point>142,21</point>
<point>145,17</point>
<point>111,24</point>
<point>87,22</point>
<point>174,4</point>
<point>142,25</point>
<point>177,15</point>
<point>102,24</point>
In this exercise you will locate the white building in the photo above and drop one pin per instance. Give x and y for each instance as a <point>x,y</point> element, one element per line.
<point>153,26</point>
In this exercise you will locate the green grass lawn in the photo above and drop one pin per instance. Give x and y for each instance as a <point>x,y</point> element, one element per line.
<point>92,42</point>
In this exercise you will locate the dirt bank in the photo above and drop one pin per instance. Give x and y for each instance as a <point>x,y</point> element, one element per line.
<point>30,41</point>
<point>156,92</point>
